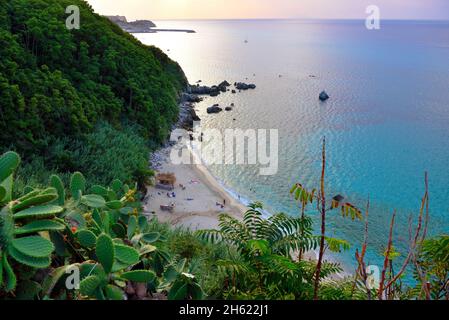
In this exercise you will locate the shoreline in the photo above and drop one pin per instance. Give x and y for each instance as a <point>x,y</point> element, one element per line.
<point>199,196</point>
<point>154,30</point>
<point>201,199</point>
<point>202,213</point>
<point>207,198</point>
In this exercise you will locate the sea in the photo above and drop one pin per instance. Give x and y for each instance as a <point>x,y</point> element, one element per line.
<point>386,122</point>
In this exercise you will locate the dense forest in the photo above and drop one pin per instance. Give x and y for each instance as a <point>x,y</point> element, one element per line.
<point>61,88</point>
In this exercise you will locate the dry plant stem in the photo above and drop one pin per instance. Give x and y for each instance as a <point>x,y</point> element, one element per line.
<point>361,266</point>
<point>426,222</point>
<point>357,272</point>
<point>416,238</point>
<point>422,278</point>
<point>301,251</point>
<point>362,256</point>
<point>422,275</point>
<point>387,258</point>
<point>417,266</point>
<point>323,223</point>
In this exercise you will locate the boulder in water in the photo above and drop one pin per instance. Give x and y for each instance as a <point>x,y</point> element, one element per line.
<point>324,96</point>
<point>244,86</point>
<point>214,109</point>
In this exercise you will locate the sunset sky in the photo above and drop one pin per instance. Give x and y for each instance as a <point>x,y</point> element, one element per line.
<point>257,9</point>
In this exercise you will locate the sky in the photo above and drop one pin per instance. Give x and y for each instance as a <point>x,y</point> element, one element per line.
<point>269,9</point>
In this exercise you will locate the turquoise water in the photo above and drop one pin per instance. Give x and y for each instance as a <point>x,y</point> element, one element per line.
<point>387,121</point>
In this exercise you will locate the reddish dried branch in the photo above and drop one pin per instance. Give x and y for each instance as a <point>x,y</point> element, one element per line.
<point>415,241</point>
<point>323,223</point>
<point>362,257</point>
<point>387,258</point>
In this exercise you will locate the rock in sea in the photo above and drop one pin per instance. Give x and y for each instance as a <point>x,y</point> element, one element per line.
<point>324,96</point>
<point>244,86</point>
<point>214,109</point>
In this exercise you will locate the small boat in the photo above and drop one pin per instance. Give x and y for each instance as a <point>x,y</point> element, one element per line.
<point>246,41</point>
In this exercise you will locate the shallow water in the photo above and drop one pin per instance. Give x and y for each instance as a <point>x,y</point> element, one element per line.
<point>387,121</point>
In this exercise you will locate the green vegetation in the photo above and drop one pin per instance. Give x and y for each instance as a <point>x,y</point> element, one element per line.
<point>102,155</point>
<point>97,101</point>
<point>46,233</point>
<point>61,89</point>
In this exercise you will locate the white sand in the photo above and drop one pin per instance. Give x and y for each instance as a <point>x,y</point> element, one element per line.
<point>200,213</point>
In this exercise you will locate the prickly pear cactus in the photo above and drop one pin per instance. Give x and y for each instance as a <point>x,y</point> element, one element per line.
<point>20,221</point>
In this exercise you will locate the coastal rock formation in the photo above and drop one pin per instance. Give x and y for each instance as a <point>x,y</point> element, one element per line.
<point>204,90</point>
<point>324,96</point>
<point>215,90</point>
<point>117,19</point>
<point>194,115</point>
<point>141,26</point>
<point>244,86</point>
<point>133,26</point>
<point>223,86</point>
<point>187,115</point>
<point>193,98</point>
<point>214,109</point>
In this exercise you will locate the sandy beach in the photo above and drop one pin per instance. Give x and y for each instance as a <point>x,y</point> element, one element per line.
<point>198,203</point>
<point>198,198</point>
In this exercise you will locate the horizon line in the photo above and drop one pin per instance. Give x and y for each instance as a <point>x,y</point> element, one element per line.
<point>303,19</point>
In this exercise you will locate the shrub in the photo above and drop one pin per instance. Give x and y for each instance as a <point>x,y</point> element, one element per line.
<point>46,232</point>
<point>108,154</point>
<point>103,155</point>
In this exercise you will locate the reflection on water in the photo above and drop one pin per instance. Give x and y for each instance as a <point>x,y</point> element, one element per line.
<point>386,123</point>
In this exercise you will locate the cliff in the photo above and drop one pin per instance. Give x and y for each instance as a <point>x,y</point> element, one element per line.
<point>138,26</point>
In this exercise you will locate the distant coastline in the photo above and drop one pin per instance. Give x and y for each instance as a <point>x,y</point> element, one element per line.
<point>141,26</point>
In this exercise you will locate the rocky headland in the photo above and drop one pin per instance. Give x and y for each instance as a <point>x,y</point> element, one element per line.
<point>141,26</point>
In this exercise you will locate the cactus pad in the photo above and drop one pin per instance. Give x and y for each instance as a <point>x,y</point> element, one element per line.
<point>8,164</point>
<point>89,285</point>
<point>105,252</point>
<point>77,185</point>
<point>34,262</point>
<point>33,246</point>
<point>93,201</point>
<point>151,237</point>
<point>126,254</point>
<point>56,183</point>
<point>39,212</point>
<point>142,276</point>
<point>38,226</point>
<point>86,238</point>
